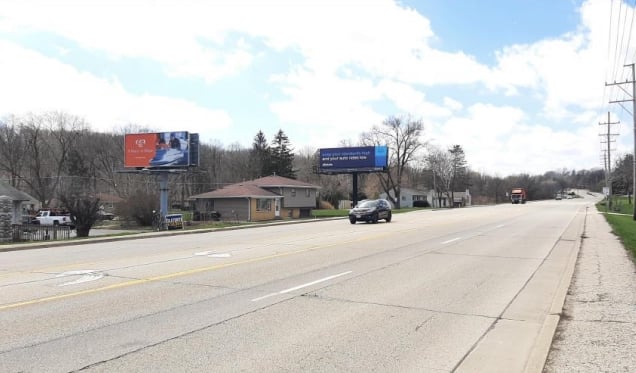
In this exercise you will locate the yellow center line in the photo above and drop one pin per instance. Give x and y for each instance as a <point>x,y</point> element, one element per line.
<point>179,274</point>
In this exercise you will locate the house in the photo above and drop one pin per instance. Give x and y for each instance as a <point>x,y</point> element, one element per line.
<point>460,199</point>
<point>18,203</point>
<point>109,201</point>
<point>12,209</point>
<point>267,198</point>
<point>408,196</point>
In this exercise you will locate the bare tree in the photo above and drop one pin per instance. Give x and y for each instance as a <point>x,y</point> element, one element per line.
<point>402,135</point>
<point>440,162</point>
<point>48,138</point>
<point>12,150</point>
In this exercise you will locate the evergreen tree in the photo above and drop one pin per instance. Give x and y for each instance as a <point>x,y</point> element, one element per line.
<point>260,156</point>
<point>459,173</point>
<point>282,156</point>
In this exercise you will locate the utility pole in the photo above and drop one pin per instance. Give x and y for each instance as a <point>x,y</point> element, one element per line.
<point>633,100</point>
<point>608,163</point>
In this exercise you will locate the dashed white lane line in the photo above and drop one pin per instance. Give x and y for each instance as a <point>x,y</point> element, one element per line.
<point>453,240</point>
<point>301,286</point>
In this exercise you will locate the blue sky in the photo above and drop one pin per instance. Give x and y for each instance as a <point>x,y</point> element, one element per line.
<point>518,84</point>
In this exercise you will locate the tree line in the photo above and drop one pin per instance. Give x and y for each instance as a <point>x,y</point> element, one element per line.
<point>54,154</point>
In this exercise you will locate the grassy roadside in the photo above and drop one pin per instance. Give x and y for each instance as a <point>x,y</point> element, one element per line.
<point>622,225</point>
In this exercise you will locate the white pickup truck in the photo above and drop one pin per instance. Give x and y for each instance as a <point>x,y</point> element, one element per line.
<point>52,217</point>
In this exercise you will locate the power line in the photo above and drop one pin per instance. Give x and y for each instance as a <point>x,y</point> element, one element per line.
<point>633,100</point>
<point>608,165</point>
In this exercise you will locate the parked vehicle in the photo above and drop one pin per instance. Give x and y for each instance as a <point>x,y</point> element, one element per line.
<point>518,195</point>
<point>103,215</point>
<point>54,217</point>
<point>371,211</point>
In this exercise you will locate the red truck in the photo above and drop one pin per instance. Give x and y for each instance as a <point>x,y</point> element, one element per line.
<point>518,195</point>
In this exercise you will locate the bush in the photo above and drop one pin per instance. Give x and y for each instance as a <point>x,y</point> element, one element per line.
<point>326,205</point>
<point>139,207</point>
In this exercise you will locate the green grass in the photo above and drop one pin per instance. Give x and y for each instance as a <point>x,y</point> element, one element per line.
<point>623,226</point>
<point>619,205</point>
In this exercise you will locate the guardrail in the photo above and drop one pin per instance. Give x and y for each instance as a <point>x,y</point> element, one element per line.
<point>36,232</point>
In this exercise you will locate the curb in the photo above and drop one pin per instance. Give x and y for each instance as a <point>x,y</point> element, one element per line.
<point>142,235</point>
<point>539,355</point>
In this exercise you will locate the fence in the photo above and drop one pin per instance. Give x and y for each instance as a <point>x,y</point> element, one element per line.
<point>35,232</point>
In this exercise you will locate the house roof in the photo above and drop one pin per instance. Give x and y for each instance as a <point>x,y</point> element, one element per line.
<point>280,181</point>
<point>109,198</point>
<point>13,193</point>
<point>240,190</point>
<point>254,188</point>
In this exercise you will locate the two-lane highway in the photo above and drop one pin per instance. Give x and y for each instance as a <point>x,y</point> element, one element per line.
<point>471,289</point>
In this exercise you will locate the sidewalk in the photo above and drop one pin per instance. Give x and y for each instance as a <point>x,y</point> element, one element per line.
<point>597,330</point>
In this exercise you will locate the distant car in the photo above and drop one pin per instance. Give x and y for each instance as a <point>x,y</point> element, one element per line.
<point>103,215</point>
<point>371,211</point>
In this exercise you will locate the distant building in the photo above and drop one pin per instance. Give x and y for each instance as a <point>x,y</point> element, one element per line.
<point>20,203</point>
<point>461,199</point>
<point>267,198</point>
<point>408,196</point>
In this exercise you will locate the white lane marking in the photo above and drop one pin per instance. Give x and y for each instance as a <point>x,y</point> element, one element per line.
<point>87,275</point>
<point>212,254</point>
<point>314,282</point>
<point>264,297</point>
<point>203,253</point>
<point>500,226</point>
<point>302,286</point>
<point>220,255</point>
<point>453,240</point>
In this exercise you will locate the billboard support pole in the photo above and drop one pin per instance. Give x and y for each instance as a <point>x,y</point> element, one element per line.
<point>354,194</point>
<point>163,196</point>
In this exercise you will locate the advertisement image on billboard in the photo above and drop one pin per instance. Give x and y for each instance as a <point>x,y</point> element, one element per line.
<point>157,150</point>
<point>356,159</point>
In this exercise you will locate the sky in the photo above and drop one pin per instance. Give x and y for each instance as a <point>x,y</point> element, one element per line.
<point>520,85</point>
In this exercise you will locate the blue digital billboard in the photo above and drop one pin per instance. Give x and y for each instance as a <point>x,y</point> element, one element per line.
<point>357,159</point>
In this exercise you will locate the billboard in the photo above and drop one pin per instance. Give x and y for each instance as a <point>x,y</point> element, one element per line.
<point>157,150</point>
<point>357,159</point>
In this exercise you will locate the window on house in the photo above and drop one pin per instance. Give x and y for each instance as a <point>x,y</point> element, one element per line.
<point>263,204</point>
<point>307,192</point>
<point>293,192</point>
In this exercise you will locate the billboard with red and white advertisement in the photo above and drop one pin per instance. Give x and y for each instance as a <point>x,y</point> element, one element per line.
<point>157,150</point>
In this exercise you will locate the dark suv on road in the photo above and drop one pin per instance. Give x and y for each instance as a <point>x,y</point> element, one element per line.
<point>371,210</point>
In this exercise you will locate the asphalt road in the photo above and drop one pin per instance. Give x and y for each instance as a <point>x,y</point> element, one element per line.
<point>462,290</point>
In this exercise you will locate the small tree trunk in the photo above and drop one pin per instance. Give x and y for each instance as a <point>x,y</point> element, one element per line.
<point>82,231</point>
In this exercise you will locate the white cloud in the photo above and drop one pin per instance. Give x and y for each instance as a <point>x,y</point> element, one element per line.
<point>499,140</point>
<point>354,62</point>
<point>39,84</point>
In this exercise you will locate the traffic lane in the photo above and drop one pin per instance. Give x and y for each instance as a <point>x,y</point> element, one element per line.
<point>309,333</point>
<point>119,261</point>
<point>167,267</point>
<point>142,298</point>
<point>366,322</point>
<point>148,263</point>
<point>91,306</point>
